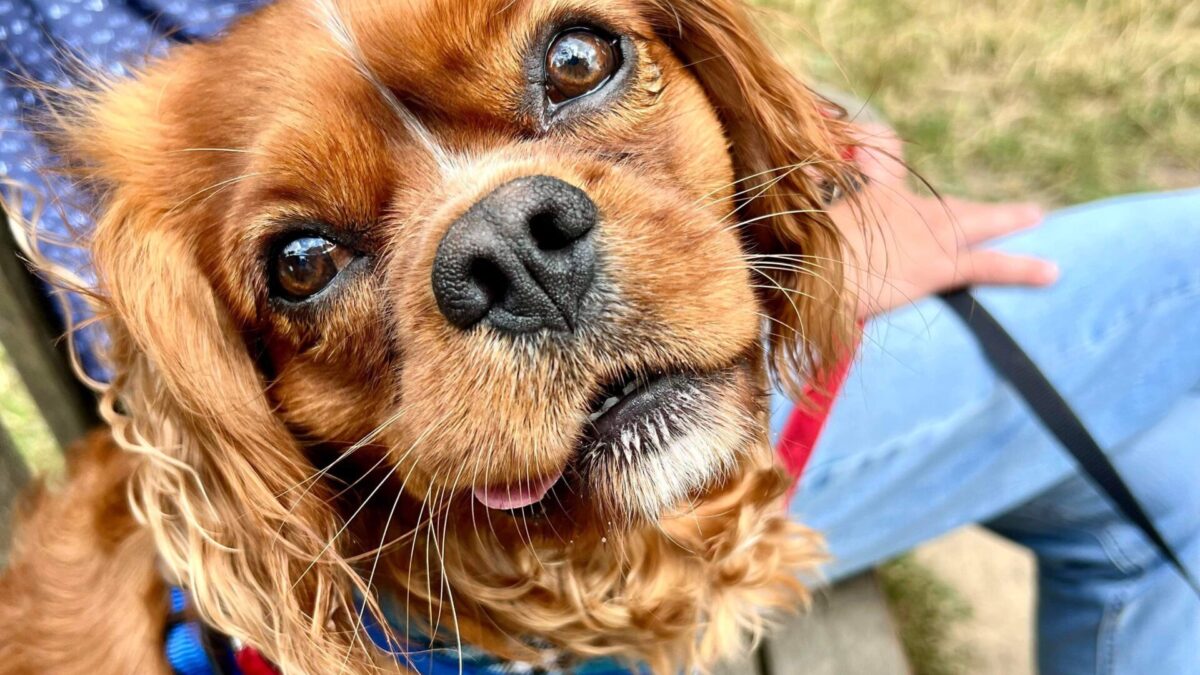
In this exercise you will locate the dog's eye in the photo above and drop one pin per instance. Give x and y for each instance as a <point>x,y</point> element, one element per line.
<point>579,62</point>
<point>304,266</point>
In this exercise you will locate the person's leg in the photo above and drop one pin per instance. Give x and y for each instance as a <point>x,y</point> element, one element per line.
<point>925,437</point>
<point>1107,602</point>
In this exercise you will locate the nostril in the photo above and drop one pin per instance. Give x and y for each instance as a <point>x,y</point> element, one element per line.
<point>489,279</point>
<point>547,231</point>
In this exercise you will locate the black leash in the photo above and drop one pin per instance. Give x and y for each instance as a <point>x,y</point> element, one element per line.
<point>1007,357</point>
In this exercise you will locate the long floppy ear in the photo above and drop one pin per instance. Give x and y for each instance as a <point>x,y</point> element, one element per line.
<point>788,146</point>
<point>223,486</point>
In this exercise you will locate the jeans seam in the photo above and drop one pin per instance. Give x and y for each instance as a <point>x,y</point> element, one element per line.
<point>1185,290</point>
<point>1106,640</point>
<point>1114,550</point>
<point>1117,555</point>
<point>895,445</point>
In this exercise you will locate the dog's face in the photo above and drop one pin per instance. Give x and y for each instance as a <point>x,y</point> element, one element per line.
<point>518,271</point>
<point>490,255</point>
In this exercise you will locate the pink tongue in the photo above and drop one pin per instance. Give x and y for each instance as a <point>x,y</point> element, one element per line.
<point>516,495</point>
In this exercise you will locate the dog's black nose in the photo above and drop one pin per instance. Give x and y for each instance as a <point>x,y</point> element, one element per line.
<point>520,259</point>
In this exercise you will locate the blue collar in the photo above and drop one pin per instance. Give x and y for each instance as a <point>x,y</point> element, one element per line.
<point>427,657</point>
<point>191,648</point>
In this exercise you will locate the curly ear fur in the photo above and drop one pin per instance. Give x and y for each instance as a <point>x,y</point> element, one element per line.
<point>788,144</point>
<point>220,483</point>
<point>224,486</point>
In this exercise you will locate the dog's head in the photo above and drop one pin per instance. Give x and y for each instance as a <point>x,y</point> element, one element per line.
<point>489,285</point>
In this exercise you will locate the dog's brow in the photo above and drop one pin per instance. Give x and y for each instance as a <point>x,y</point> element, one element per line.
<point>332,21</point>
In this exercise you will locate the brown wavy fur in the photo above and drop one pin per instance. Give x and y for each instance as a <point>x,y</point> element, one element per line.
<point>277,462</point>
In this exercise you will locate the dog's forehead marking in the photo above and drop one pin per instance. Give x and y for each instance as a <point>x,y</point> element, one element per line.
<point>331,20</point>
<point>445,56</point>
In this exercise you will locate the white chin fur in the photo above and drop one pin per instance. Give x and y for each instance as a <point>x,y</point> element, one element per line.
<point>650,471</point>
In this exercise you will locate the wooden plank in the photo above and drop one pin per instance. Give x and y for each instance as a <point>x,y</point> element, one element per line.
<point>848,632</point>
<point>14,474</point>
<point>30,336</point>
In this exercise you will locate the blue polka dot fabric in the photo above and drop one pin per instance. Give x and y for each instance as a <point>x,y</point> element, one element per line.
<point>38,41</point>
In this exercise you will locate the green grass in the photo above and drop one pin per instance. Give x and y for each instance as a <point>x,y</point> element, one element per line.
<point>1059,101</point>
<point>926,609</point>
<point>19,416</point>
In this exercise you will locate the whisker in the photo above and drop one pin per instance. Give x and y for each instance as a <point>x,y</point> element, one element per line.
<point>365,440</point>
<point>212,191</point>
<point>735,182</point>
<point>388,475</point>
<point>411,556</point>
<point>790,327</point>
<point>759,191</point>
<point>791,300</point>
<point>345,525</point>
<point>525,523</point>
<point>768,216</point>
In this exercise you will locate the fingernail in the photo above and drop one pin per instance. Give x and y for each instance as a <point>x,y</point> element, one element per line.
<point>1034,213</point>
<point>1050,273</point>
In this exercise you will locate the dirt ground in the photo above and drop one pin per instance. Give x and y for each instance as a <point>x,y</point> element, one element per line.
<point>996,579</point>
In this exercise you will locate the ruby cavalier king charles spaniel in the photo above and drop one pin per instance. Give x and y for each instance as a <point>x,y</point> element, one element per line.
<point>441,326</point>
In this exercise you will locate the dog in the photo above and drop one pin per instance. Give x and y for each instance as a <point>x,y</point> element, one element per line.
<point>451,319</point>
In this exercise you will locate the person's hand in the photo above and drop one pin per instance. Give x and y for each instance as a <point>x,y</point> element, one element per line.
<point>903,247</point>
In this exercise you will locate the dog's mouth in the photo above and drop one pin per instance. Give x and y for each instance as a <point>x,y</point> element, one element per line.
<point>637,413</point>
<point>632,425</point>
<point>622,399</point>
<point>620,402</point>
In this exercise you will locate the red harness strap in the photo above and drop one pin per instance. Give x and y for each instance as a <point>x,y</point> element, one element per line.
<point>251,662</point>
<point>804,425</point>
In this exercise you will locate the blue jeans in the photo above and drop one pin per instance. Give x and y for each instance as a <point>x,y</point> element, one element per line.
<point>925,437</point>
